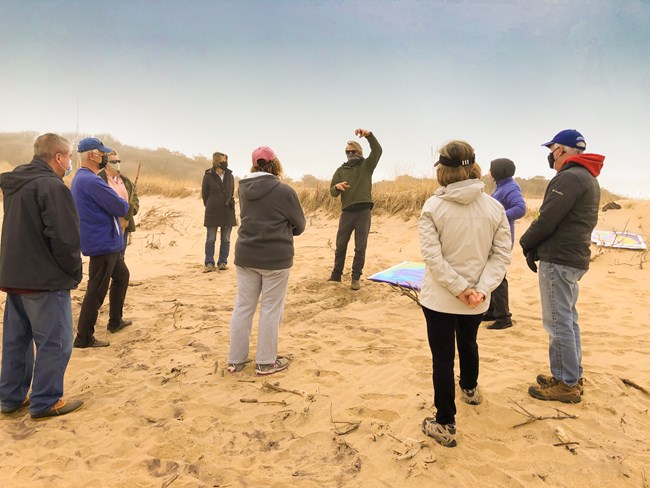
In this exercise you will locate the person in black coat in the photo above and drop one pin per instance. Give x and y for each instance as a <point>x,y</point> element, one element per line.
<point>218,192</point>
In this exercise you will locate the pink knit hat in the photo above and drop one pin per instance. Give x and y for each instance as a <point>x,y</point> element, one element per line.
<point>263,152</point>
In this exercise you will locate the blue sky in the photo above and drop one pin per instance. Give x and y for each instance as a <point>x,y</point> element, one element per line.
<point>300,76</point>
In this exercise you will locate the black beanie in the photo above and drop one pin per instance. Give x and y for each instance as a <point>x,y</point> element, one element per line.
<point>502,168</point>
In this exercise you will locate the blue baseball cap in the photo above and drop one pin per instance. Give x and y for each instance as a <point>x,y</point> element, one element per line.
<point>569,138</point>
<point>90,143</point>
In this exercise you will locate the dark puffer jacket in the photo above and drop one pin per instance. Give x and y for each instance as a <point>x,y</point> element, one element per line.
<point>218,198</point>
<point>562,232</point>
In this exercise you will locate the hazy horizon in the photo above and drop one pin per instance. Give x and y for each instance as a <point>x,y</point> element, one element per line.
<point>198,77</point>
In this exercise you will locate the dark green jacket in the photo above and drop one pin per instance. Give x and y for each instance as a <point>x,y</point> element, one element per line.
<point>134,204</point>
<point>358,176</point>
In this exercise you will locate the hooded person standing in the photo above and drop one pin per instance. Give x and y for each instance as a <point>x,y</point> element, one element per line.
<point>40,262</point>
<point>271,215</point>
<point>466,248</point>
<point>560,239</point>
<point>218,192</point>
<point>352,181</point>
<point>508,194</point>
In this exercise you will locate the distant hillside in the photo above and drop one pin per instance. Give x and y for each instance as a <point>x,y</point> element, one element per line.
<point>17,148</point>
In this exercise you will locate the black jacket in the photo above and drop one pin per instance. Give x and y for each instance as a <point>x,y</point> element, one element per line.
<point>40,247</point>
<point>562,232</point>
<point>218,198</point>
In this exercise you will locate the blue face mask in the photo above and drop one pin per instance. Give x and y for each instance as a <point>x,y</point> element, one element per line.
<point>67,170</point>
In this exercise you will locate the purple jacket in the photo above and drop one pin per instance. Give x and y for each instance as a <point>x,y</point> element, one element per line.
<point>508,194</point>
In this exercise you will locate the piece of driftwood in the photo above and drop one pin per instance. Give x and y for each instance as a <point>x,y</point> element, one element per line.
<point>269,402</point>
<point>277,388</point>
<point>343,427</point>
<point>533,418</point>
<point>634,385</point>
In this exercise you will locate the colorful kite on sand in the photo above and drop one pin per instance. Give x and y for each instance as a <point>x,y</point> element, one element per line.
<point>407,274</point>
<point>621,240</point>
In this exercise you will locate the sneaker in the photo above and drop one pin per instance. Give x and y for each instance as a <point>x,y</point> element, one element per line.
<point>62,407</point>
<point>355,285</point>
<point>209,268</point>
<point>471,396</point>
<point>444,435</point>
<point>499,325</point>
<point>557,391</point>
<point>334,278</point>
<point>280,364</point>
<point>236,367</point>
<point>222,267</point>
<point>546,380</point>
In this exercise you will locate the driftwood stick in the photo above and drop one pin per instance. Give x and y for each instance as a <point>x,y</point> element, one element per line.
<point>269,402</point>
<point>277,388</point>
<point>346,427</point>
<point>634,385</point>
<point>533,418</point>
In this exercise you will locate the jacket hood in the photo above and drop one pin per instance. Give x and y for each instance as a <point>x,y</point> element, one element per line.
<point>462,192</point>
<point>13,181</point>
<point>593,162</point>
<point>257,185</point>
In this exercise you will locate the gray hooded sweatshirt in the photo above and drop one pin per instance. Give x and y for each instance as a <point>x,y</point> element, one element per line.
<point>271,215</point>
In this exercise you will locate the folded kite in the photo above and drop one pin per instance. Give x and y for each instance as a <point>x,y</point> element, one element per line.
<point>407,274</point>
<point>621,240</point>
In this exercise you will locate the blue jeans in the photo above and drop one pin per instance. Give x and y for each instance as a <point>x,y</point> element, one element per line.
<point>224,248</point>
<point>44,319</point>
<point>558,285</point>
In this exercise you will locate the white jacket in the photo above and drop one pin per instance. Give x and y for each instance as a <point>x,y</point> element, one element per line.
<point>465,243</point>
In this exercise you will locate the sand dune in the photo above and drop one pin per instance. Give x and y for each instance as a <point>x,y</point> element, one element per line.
<point>161,410</point>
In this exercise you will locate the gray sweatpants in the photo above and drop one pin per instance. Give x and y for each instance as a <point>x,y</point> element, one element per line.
<point>272,285</point>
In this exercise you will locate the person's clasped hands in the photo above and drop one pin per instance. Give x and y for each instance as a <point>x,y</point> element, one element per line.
<point>471,297</point>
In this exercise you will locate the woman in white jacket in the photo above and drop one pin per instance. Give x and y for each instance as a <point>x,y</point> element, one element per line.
<point>465,243</point>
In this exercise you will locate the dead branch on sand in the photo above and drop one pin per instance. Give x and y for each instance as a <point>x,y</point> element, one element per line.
<point>634,385</point>
<point>413,447</point>
<point>269,402</point>
<point>532,418</point>
<point>346,427</point>
<point>277,388</point>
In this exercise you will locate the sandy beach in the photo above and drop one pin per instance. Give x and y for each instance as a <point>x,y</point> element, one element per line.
<point>160,409</point>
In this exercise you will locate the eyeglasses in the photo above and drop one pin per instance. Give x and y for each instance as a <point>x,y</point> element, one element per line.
<point>348,152</point>
<point>115,161</point>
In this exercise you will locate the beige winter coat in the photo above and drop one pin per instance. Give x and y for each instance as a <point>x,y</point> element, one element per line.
<point>465,243</point>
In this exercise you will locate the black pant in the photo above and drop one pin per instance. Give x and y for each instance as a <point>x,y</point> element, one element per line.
<point>359,222</point>
<point>441,329</point>
<point>499,307</point>
<point>101,271</point>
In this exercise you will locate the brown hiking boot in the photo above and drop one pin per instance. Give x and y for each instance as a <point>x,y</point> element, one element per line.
<point>546,380</point>
<point>558,392</point>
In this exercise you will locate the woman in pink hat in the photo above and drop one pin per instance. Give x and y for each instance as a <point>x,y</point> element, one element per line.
<point>271,215</point>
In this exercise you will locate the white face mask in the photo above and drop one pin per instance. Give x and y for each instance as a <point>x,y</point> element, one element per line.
<point>114,167</point>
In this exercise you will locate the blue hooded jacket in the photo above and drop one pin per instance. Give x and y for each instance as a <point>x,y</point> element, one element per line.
<point>99,210</point>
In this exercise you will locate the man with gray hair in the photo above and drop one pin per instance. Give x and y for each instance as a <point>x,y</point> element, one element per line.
<point>100,210</point>
<point>40,262</point>
<point>353,182</point>
<point>560,238</point>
